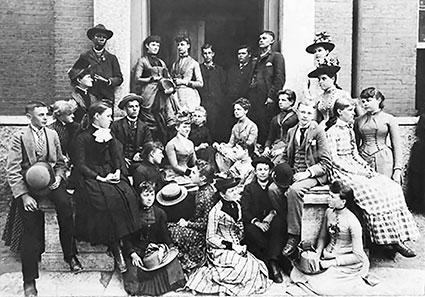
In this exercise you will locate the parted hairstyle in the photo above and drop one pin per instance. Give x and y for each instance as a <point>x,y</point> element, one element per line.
<point>373,92</point>
<point>30,106</point>
<point>291,95</point>
<point>243,102</point>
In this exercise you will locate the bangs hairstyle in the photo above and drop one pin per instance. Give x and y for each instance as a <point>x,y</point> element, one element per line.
<point>145,186</point>
<point>243,102</point>
<point>373,92</point>
<point>183,117</point>
<point>30,106</point>
<point>201,110</point>
<point>291,95</point>
<point>181,38</point>
<point>345,193</point>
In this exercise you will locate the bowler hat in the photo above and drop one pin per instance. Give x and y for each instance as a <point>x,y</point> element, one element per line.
<point>262,160</point>
<point>222,184</point>
<point>99,28</point>
<point>128,98</point>
<point>157,256</point>
<point>80,66</point>
<point>39,177</point>
<point>283,175</point>
<point>171,194</point>
<point>322,39</point>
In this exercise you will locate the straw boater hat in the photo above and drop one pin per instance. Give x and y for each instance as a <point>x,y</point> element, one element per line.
<point>171,194</point>
<point>99,28</point>
<point>39,177</point>
<point>128,98</point>
<point>322,39</point>
<point>329,66</point>
<point>157,256</point>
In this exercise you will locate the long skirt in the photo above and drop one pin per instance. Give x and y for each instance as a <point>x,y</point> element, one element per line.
<point>153,283</point>
<point>389,221</point>
<point>104,212</point>
<point>229,273</point>
<point>188,98</point>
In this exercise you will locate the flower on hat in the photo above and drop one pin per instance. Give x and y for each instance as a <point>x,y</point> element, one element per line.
<point>322,37</point>
<point>329,61</point>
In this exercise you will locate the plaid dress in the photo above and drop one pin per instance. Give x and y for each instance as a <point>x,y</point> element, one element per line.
<point>389,220</point>
<point>228,272</point>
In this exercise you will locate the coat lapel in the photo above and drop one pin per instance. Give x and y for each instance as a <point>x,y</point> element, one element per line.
<point>51,145</point>
<point>28,141</point>
<point>291,146</point>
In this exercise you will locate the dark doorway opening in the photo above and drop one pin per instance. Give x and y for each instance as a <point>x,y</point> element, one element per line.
<point>224,24</point>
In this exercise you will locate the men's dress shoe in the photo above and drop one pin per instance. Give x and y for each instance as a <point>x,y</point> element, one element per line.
<point>291,246</point>
<point>29,289</point>
<point>276,276</point>
<point>404,250</point>
<point>75,265</point>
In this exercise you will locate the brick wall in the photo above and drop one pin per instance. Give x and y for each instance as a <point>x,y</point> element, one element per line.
<point>336,18</point>
<point>386,51</point>
<point>26,53</point>
<point>72,20</point>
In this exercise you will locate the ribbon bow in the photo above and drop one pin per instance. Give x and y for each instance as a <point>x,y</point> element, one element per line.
<point>102,135</point>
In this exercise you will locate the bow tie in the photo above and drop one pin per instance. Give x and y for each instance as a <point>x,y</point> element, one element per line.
<point>102,135</point>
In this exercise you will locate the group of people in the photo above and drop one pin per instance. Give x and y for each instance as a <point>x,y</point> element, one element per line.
<point>212,217</point>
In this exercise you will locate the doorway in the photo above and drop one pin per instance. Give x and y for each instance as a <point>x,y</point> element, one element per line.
<point>224,24</point>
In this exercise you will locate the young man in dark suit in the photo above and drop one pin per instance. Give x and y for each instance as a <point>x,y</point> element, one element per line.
<point>308,154</point>
<point>132,133</point>
<point>33,144</point>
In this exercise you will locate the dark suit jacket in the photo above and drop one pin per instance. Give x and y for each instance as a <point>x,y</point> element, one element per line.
<point>317,155</point>
<point>107,67</point>
<point>120,129</point>
<point>255,202</point>
<point>269,74</point>
<point>238,80</point>
<point>22,155</point>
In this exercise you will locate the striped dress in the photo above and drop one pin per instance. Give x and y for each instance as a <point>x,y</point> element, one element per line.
<point>382,200</point>
<point>227,272</point>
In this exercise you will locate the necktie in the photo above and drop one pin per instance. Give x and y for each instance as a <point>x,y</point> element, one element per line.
<point>302,134</point>
<point>40,142</point>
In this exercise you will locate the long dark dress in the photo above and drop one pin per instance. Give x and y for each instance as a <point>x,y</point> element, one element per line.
<point>153,230</point>
<point>104,212</point>
<point>201,134</point>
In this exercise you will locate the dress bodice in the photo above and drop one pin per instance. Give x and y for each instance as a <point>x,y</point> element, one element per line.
<point>152,66</point>
<point>340,241</point>
<point>374,130</point>
<point>326,101</point>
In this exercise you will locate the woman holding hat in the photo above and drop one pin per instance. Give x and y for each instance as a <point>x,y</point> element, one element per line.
<point>154,85</point>
<point>181,151</point>
<point>187,76</point>
<point>230,269</point>
<point>326,73</point>
<point>106,204</point>
<point>82,83</point>
<point>189,235</point>
<point>153,265</point>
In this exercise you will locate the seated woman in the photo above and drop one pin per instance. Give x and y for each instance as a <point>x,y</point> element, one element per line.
<point>181,152</point>
<point>339,249</point>
<point>389,221</point>
<point>200,135</point>
<point>244,130</point>
<point>144,276</point>
<point>372,129</point>
<point>230,269</point>
<point>106,206</point>
<point>189,235</point>
<point>279,126</point>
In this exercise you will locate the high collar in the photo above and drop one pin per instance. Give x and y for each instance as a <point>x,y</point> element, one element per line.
<point>131,120</point>
<point>98,53</point>
<point>209,66</point>
<point>342,123</point>
<point>265,53</point>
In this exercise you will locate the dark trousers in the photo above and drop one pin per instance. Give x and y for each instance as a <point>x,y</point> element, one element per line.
<point>268,245</point>
<point>32,244</point>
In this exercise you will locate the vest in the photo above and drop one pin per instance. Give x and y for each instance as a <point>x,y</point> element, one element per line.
<point>299,158</point>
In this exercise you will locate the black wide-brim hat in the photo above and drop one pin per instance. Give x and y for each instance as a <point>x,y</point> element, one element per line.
<point>325,44</point>
<point>283,175</point>
<point>80,66</point>
<point>328,70</point>
<point>128,98</point>
<point>262,160</point>
<point>223,184</point>
<point>99,28</point>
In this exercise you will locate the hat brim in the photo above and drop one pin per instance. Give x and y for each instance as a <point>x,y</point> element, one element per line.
<point>124,101</point>
<point>170,256</point>
<point>92,31</point>
<point>45,190</point>
<point>160,199</point>
<point>326,45</point>
<point>225,187</point>
<point>328,70</point>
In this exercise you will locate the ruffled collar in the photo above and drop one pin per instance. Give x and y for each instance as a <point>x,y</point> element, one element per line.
<point>101,135</point>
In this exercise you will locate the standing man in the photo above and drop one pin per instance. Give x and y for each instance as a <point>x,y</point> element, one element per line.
<point>308,155</point>
<point>263,219</point>
<point>212,93</point>
<point>37,148</point>
<point>133,135</point>
<point>105,68</point>
<point>268,78</point>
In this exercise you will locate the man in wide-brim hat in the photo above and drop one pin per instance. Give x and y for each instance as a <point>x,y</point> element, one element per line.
<point>132,133</point>
<point>35,169</point>
<point>105,68</point>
